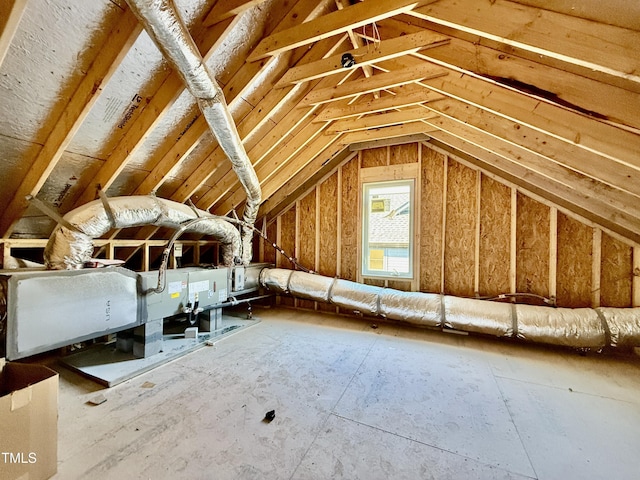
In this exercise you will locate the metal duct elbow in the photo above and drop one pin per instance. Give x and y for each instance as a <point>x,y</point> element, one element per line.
<point>69,249</point>
<point>163,24</point>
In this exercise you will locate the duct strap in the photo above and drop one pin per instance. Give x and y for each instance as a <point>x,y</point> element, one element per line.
<point>330,292</point>
<point>51,213</point>
<point>194,208</point>
<point>289,282</point>
<point>107,208</point>
<point>605,327</point>
<point>442,312</point>
<point>378,301</point>
<point>514,320</point>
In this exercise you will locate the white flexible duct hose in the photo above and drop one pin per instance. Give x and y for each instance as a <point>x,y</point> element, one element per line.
<point>69,248</point>
<point>163,24</point>
<point>571,327</point>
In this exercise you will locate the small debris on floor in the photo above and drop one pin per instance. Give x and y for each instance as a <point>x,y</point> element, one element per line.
<point>374,326</point>
<point>148,385</point>
<point>97,400</point>
<point>570,389</point>
<point>270,415</point>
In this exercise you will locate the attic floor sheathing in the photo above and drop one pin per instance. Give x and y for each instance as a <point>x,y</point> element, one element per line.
<point>356,402</point>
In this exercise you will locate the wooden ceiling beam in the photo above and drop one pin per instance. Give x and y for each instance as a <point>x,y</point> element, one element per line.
<point>577,129</point>
<point>356,42</point>
<point>156,108</point>
<point>381,81</point>
<point>312,174</point>
<point>283,132</point>
<point>404,96</point>
<point>366,55</point>
<point>386,132</point>
<point>557,193</point>
<point>540,165</point>
<point>224,9</point>
<point>564,153</point>
<point>268,158</point>
<point>241,75</point>
<point>11,12</point>
<point>604,48</point>
<point>621,13</point>
<point>273,100</point>
<point>537,78</point>
<point>78,107</point>
<point>288,170</point>
<point>295,132</point>
<point>334,23</point>
<point>325,145</point>
<point>218,166</point>
<point>379,120</point>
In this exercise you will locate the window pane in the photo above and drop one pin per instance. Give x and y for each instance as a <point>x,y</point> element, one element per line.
<point>387,229</point>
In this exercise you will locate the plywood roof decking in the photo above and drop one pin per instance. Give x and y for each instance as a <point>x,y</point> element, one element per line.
<point>546,97</point>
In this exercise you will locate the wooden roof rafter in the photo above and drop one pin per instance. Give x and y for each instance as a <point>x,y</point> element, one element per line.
<point>149,117</point>
<point>224,9</point>
<point>10,17</point>
<point>334,23</point>
<point>78,107</point>
<point>540,77</point>
<point>258,116</point>
<point>596,47</point>
<point>558,193</point>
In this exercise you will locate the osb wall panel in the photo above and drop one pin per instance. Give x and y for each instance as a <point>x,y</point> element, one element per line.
<point>307,237</point>
<point>329,226</point>
<point>532,251</point>
<point>432,173</point>
<point>616,274</point>
<point>495,233</point>
<point>376,282</point>
<point>349,223</point>
<point>375,157</point>
<point>403,285</point>
<point>287,243</point>
<point>400,154</point>
<point>269,250</point>
<point>574,267</point>
<point>328,231</point>
<point>459,250</point>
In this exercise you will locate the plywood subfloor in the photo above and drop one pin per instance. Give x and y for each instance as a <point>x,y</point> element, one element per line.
<point>357,402</point>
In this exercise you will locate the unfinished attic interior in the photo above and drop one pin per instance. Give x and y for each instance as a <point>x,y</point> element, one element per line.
<point>406,231</point>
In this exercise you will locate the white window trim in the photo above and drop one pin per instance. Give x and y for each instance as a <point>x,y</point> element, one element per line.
<point>363,218</point>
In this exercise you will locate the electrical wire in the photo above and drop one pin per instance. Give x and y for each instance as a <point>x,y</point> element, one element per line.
<point>183,227</point>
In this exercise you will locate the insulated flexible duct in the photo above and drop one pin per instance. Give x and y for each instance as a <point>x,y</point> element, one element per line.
<point>71,244</point>
<point>571,327</point>
<point>163,24</point>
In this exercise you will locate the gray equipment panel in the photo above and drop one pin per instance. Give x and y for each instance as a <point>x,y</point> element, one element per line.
<point>49,309</point>
<point>211,285</point>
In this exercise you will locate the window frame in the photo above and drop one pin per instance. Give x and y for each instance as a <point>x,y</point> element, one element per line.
<point>366,186</point>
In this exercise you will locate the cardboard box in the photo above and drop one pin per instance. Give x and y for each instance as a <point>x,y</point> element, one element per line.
<point>28,421</point>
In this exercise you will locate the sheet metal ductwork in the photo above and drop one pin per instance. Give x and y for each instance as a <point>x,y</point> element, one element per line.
<point>71,245</point>
<point>570,327</point>
<point>163,24</point>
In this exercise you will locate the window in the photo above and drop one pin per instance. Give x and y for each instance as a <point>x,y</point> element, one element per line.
<point>388,229</point>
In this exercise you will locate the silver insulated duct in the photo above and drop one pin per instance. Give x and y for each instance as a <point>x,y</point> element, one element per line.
<point>71,243</point>
<point>571,327</point>
<point>163,24</point>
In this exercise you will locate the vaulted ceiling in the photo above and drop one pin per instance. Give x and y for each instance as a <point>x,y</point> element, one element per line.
<point>545,94</point>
